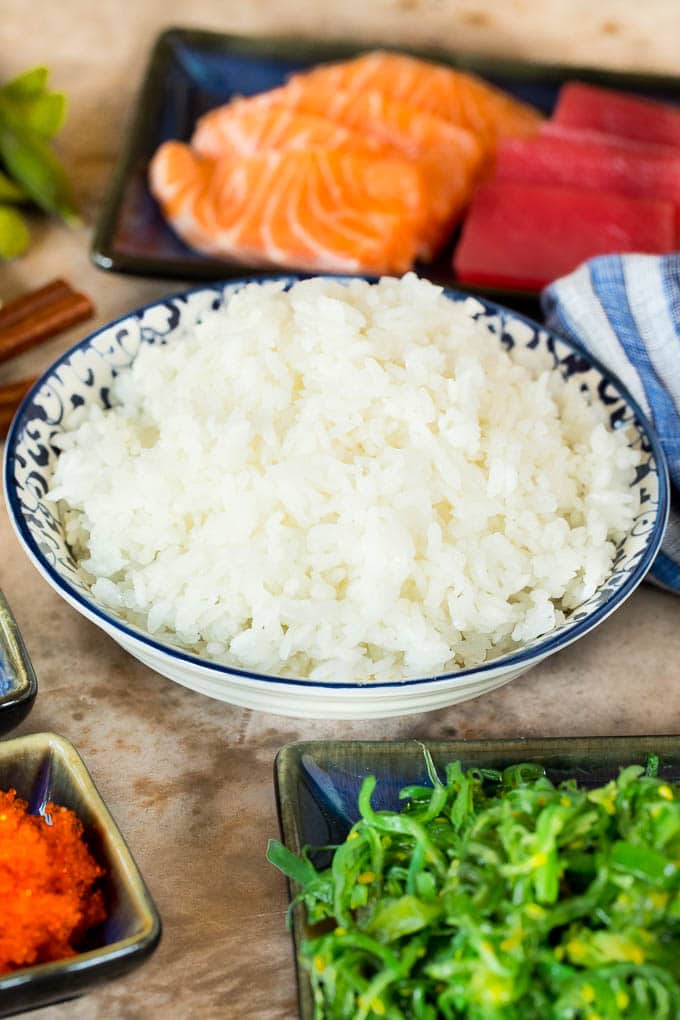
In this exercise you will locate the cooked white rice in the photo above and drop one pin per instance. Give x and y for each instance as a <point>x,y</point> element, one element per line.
<point>344,482</point>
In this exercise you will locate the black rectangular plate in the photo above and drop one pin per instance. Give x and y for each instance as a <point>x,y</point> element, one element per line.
<point>318,782</point>
<point>192,71</point>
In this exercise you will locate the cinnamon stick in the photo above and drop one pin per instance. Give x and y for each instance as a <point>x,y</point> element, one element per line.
<point>11,395</point>
<point>5,422</point>
<point>18,309</point>
<point>40,314</point>
<point>42,320</point>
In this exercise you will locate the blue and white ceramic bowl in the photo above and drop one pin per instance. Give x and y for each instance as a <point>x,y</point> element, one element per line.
<point>84,375</point>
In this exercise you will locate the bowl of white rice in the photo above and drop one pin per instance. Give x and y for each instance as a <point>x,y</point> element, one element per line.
<point>335,497</point>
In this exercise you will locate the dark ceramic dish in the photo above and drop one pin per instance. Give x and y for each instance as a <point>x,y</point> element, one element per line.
<point>192,71</point>
<point>18,684</point>
<point>318,782</point>
<point>44,767</point>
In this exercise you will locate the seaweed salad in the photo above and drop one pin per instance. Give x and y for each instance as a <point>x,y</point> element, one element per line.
<point>499,895</point>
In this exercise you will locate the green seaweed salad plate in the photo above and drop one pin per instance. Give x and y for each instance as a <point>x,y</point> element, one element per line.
<point>485,880</point>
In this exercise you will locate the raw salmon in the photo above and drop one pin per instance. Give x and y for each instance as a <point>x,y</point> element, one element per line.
<point>457,96</point>
<point>372,117</point>
<point>246,127</point>
<point>364,165</point>
<point>294,116</point>
<point>319,210</point>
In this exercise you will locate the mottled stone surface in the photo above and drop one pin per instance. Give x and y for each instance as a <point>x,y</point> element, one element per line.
<point>190,780</point>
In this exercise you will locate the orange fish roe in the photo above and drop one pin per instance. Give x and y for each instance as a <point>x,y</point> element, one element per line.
<point>47,874</point>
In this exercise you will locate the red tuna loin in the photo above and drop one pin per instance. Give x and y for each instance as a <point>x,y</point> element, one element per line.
<point>553,129</point>
<point>593,166</point>
<point>618,113</point>
<point>524,236</point>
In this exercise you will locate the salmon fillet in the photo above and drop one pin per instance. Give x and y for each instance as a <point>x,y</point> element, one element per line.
<point>361,165</point>
<point>303,114</point>
<point>247,126</point>
<point>457,96</point>
<point>325,210</point>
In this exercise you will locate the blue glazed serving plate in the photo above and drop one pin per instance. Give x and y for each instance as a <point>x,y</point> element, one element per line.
<point>318,782</point>
<point>84,374</point>
<point>192,71</point>
<point>18,683</point>
<point>44,767</point>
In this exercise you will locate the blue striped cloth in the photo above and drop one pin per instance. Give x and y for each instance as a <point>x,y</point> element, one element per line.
<point>625,309</point>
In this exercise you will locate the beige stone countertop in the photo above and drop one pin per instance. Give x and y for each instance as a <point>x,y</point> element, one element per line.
<point>189,780</point>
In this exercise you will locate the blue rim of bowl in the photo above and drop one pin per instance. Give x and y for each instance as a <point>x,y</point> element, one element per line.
<point>519,658</point>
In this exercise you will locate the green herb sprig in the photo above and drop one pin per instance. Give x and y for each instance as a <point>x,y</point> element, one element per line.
<point>30,117</point>
<point>500,896</point>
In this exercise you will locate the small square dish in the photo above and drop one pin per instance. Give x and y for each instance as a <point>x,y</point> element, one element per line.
<point>318,782</point>
<point>193,71</point>
<point>44,767</point>
<point>18,684</point>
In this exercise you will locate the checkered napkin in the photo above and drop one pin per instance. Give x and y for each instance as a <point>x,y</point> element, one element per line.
<point>625,310</point>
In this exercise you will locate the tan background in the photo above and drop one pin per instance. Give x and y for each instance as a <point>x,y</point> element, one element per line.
<point>190,780</point>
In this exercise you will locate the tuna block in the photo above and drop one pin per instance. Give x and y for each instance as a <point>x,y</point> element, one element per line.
<point>615,143</point>
<point>648,171</point>
<point>525,235</point>
<point>617,113</point>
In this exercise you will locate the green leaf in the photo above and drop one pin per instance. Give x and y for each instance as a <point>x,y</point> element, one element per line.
<point>44,114</point>
<point>391,822</point>
<point>404,916</point>
<point>645,863</point>
<point>14,233</point>
<point>27,85</point>
<point>36,167</point>
<point>9,191</point>
<point>293,867</point>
